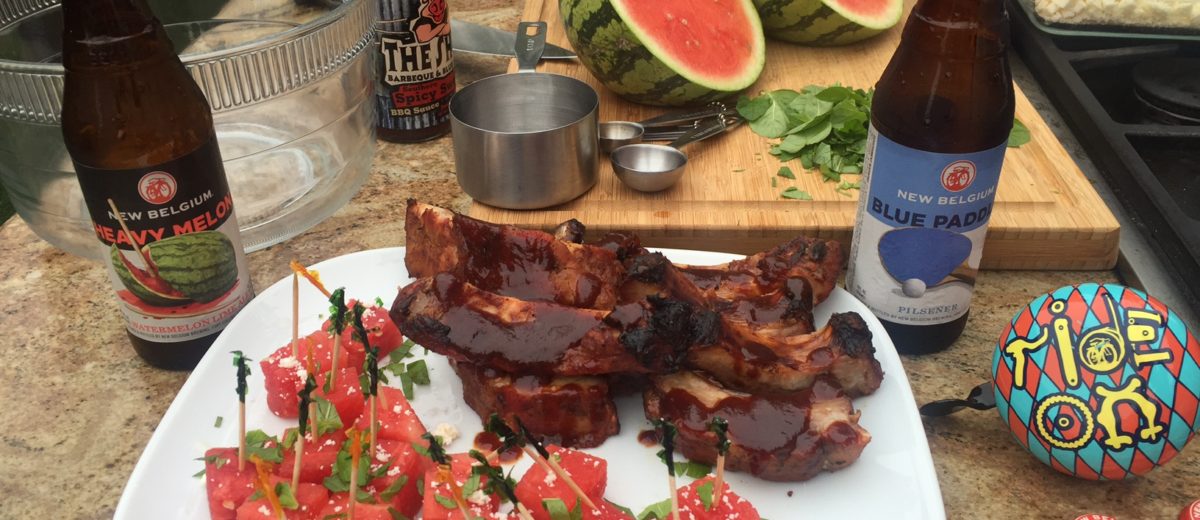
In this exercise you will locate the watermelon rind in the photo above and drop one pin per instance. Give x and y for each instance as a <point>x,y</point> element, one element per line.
<point>630,64</point>
<point>136,287</point>
<point>824,22</point>
<point>201,265</point>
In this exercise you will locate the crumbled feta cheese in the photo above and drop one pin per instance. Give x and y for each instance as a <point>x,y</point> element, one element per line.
<point>446,432</point>
<point>550,478</point>
<point>479,498</point>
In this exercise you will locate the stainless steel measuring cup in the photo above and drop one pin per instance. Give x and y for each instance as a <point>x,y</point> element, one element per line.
<point>615,134</point>
<point>656,167</point>
<point>525,140</point>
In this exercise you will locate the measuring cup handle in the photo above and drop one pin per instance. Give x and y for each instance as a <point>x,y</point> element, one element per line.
<point>686,116</point>
<point>704,131</point>
<point>531,42</point>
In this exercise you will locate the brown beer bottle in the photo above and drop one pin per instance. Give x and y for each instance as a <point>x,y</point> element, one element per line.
<point>939,125</point>
<point>141,136</point>
<point>414,70</point>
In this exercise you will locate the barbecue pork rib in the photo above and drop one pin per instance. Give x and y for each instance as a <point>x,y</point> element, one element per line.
<point>466,323</point>
<point>576,412</point>
<point>781,437</point>
<point>761,361</point>
<point>508,260</point>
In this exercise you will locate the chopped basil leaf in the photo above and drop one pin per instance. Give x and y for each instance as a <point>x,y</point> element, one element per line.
<point>471,486</point>
<point>795,193</point>
<point>396,515</point>
<point>217,423</point>
<point>328,419</point>
<point>620,507</point>
<point>257,444</point>
<point>419,372</point>
<point>289,438</point>
<point>659,510</point>
<point>692,469</point>
<point>286,498</point>
<point>394,488</point>
<point>705,492</point>
<point>1019,134</point>
<point>445,502</point>
<point>786,173</point>
<point>378,301</point>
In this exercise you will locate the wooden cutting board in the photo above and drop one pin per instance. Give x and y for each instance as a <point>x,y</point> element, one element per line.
<point>1047,215</point>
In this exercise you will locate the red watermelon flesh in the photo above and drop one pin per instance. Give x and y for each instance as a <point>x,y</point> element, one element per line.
<point>731,505</point>
<point>345,394</point>
<point>310,497</point>
<point>337,505</point>
<point>714,39</point>
<point>590,473</point>
<point>403,463</point>
<point>866,8</point>
<point>460,470</point>
<point>319,456</point>
<point>284,374</point>
<point>396,418</point>
<point>227,487</point>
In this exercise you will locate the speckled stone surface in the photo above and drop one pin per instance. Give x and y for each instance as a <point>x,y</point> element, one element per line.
<point>78,406</point>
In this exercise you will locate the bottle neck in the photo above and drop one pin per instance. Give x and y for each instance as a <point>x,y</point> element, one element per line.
<point>104,33</point>
<point>964,29</point>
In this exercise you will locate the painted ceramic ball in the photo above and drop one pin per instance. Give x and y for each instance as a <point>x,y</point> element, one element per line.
<point>1099,381</point>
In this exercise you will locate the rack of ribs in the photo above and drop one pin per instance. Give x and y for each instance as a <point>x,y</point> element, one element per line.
<point>528,318</point>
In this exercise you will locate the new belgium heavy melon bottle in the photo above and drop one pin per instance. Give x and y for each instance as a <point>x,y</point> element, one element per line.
<point>141,136</point>
<point>939,124</point>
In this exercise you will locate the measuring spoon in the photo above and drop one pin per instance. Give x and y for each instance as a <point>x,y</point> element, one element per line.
<point>615,134</point>
<point>656,167</point>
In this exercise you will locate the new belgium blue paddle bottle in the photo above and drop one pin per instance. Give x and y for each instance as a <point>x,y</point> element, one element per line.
<point>939,125</point>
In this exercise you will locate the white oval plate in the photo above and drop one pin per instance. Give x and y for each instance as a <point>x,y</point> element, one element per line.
<point>894,478</point>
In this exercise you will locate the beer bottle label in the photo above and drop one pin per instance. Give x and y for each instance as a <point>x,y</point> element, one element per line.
<point>190,277</point>
<point>919,234</point>
<point>416,66</point>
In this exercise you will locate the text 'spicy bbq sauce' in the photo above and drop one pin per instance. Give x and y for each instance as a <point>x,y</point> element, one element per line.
<point>140,133</point>
<point>939,124</point>
<point>414,70</point>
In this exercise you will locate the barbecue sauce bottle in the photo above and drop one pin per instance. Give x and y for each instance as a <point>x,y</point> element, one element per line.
<point>414,70</point>
<point>940,121</point>
<point>140,133</point>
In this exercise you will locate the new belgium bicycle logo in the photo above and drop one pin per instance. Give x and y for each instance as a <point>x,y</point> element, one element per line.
<point>1070,422</point>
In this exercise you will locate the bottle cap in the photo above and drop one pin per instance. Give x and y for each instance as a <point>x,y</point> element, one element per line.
<point>1101,382</point>
<point>1093,516</point>
<point>1191,512</point>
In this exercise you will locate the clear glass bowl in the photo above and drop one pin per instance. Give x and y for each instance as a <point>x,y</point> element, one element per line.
<point>290,86</point>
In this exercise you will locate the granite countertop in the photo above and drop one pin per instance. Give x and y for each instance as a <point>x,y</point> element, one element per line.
<point>79,405</point>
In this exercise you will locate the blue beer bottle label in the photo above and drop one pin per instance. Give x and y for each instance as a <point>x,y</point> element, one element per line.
<point>918,236</point>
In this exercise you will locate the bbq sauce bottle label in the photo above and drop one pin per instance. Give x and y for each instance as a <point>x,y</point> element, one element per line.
<point>415,66</point>
<point>919,232</point>
<point>174,254</point>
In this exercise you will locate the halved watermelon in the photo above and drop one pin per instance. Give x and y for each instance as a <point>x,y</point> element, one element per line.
<point>828,22</point>
<point>667,52</point>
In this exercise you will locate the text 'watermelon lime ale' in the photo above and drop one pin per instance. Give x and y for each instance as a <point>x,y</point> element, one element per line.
<point>939,125</point>
<point>141,136</point>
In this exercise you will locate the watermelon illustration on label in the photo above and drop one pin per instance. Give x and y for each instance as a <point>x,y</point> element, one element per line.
<point>175,257</point>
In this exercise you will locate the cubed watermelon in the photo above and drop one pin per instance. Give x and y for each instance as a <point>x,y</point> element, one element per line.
<point>692,499</point>
<point>284,374</point>
<point>345,394</point>
<point>338,503</point>
<point>382,331</point>
<point>434,508</point>
<point>396,418</point>
<point>319,456</point>
<point>311,499</point>
<point>404,463</point>
<point>590,473</point>
<point>227,487</point>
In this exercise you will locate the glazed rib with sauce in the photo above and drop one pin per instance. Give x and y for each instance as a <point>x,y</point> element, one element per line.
<point>465,323</point>
<point>568,411</point>
<point>508,260</point>
<point>759,361</point>
<point>782,437</point>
